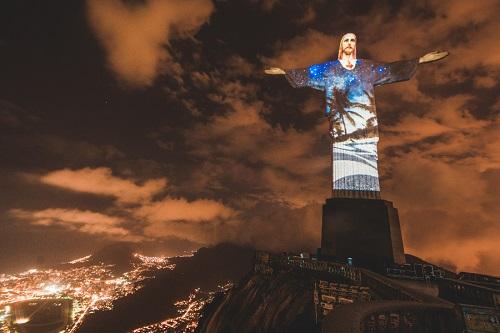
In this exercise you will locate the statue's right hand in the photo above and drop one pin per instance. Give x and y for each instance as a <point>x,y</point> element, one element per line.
<point>433,56</point>
<point>274,71</point>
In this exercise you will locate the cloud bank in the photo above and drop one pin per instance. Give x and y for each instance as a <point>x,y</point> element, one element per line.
<point>75,219</point>
<point>137,209</point>
<point>102,182</point>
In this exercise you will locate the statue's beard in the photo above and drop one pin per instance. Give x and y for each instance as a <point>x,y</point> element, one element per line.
<point>348,52</point>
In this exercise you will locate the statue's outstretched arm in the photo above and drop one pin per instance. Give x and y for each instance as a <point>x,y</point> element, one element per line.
<point>274,71</point>
<point>311,76</point>
<point>433,56</point>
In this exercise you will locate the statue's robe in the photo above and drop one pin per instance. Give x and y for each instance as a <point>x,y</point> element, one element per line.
<point>350,104</point>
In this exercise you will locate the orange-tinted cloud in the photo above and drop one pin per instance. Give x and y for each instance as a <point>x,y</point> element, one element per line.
<point>101,181</point>
<point>446,209</point>
<point>278,227</point>
<point>79,220</point>
<point>135,36</point>
<point>271,227</point>
<point>155,217</point>
<point>201,221</point>
<point>201,233</point>
<point>448,117</point>
<point>169,209</point>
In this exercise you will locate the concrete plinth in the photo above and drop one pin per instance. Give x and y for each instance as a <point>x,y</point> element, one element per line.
<point>366,230</point>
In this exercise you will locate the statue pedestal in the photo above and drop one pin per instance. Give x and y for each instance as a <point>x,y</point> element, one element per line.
<point>366,230</point>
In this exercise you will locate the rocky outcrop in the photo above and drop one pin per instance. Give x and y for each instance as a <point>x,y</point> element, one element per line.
<point>282,302</point>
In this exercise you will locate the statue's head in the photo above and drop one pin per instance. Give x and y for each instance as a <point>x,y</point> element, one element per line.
<point>347,45</point>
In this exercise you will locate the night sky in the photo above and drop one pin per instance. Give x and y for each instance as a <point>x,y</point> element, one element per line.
<point>151,122</point>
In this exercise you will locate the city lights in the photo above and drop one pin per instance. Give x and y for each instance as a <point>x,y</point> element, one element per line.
<point>22,321</point>
<point>189,311</point>
<point>91,287</point>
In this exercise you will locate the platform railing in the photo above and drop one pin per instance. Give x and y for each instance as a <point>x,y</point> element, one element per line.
<point>382,286</point>
<point>392,317</point>
<point>468,293</point>
<point>386,289</point>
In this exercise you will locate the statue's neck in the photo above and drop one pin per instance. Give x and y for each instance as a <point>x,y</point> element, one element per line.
<point>348,61</point>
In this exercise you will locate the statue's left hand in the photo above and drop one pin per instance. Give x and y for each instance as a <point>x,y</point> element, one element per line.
<point>433,56</point>
<point>274,71</point>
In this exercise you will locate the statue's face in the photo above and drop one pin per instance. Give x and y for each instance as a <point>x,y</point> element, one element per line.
<point>348,44</point>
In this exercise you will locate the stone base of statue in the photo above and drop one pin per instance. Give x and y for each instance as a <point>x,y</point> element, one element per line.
<point>365,231</point>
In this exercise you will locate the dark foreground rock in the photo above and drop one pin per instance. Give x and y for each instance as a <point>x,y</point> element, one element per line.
<point>263,303</point>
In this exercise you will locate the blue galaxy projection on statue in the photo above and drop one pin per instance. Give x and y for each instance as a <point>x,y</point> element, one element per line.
<point>350,105</point>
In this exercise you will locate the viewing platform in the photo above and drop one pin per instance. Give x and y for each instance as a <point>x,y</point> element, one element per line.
<point>351,299</point>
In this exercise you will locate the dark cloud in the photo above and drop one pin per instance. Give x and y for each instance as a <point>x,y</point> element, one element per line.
<point>13,116</point>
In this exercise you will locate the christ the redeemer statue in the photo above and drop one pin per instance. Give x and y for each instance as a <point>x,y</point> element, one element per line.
<point>349,84</point>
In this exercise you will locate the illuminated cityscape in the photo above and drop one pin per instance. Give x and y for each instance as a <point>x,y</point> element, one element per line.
<point>91,287</point>
<point>189,312</point>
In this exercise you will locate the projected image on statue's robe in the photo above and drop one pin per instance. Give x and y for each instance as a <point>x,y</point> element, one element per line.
<point>350,104</point>
<point>349,84</point>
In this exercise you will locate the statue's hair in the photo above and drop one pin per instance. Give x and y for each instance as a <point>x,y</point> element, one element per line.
<point>340,46</point>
